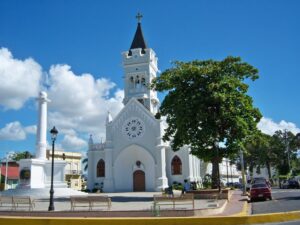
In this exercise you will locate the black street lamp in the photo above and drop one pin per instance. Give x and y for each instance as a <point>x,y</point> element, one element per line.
<point>53,133</point>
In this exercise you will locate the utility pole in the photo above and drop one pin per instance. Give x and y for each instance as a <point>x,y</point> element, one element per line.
<point>287,150</point>
<point>243,172</point>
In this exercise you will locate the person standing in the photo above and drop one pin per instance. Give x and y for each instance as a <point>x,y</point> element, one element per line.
<point>186,186</point>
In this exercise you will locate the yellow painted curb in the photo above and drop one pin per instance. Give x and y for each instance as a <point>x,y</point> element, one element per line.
<point>244,211</point>
<point>230,220</point>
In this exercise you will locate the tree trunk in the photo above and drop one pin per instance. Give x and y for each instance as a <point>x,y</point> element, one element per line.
<point>269,170</point>
<point>215,180</point>
<point>251,169</point>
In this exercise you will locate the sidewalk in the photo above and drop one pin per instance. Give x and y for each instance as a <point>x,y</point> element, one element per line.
<point>134,204</point>
<point>237,205</point>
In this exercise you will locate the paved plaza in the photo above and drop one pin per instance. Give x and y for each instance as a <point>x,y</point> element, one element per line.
<point>131,203</point>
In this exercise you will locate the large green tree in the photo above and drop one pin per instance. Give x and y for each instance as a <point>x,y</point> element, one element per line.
<point>285,145</point>
<point>207,107</point>
<point>259,153</point>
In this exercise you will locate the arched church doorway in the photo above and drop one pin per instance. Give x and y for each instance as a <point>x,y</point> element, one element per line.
<point>139,180</point>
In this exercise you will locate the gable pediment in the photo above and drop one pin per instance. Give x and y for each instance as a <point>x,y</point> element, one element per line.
<point>133,109</point>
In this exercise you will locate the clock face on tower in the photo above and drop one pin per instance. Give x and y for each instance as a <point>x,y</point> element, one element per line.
<point>133,128</point>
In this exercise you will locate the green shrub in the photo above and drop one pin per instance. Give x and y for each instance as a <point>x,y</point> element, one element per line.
<point>177,186</point>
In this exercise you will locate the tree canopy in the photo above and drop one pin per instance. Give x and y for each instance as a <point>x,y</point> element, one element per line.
<point>207,106</point>
<point>21,155</point>
<point>285,145</point>
<point>259,153</point>
<point>278,151</point>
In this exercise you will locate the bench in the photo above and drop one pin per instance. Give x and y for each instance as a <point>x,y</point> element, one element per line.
<point>211,194</point>
<point>25,201</point>
<point>90,202</point>
<point>15,202</point>
<point>6,201</point>
<point>185,199</point>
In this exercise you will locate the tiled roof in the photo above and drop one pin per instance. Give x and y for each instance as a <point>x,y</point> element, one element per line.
<point>12,172</point>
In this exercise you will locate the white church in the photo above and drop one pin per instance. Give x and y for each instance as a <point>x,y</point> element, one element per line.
<point>134,156</point>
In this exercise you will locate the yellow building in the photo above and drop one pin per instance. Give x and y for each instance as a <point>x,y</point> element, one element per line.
<point>72,169</point>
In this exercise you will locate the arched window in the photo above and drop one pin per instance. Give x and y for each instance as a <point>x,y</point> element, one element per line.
<point>137,82</point>
<point>131,82</point>
<point>101,168</point>
<point>176,166</point>
<point>143,81</point>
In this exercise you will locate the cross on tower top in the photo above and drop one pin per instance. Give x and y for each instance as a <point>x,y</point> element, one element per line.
<point>139,17</point>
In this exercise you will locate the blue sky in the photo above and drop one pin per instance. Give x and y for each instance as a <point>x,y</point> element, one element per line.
<point>76,47</point>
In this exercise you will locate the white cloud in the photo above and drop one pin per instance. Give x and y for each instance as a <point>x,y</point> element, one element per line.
<point>268,126</point>
<point>13,131</point>
<point>31,129</point>
<point>80,102</point>
<point>19,80</point>
<point>72,142</point>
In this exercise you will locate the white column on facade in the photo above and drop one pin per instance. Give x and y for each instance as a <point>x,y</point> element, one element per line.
<point>161,178</point>
<point>41,135</point>
<point>108,181</point>
<point>194,168</point>
<point>91,170</point>
<point>190,168</point>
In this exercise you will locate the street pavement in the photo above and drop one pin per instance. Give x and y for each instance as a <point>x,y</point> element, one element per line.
<point>284,200</point>
<point>234,210</point>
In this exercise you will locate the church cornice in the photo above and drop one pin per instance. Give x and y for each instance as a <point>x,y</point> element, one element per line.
<point>154,67</point>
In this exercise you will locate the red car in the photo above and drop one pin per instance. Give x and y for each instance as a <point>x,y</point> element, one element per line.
<point>260,191</point>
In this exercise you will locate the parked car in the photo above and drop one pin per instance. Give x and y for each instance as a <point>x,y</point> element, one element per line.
<point>293,184</point>
<point>289,184</point>
<point>258,180</point>
<point>260,191</point>
<point>234,184</point>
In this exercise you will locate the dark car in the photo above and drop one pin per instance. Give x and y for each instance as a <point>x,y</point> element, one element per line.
<point>293,184</point>
<point>260,191</point>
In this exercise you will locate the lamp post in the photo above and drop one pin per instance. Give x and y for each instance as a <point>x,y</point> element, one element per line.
<point>8,157</point>
<point>6,169</point>
<point>53,133</point>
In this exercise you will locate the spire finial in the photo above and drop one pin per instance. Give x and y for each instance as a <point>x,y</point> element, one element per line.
<point>139,17</point>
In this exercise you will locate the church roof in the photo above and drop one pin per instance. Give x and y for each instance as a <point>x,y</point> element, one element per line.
<point>138,40</point>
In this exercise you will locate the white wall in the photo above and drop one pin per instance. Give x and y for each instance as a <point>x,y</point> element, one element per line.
<point>125,165</point>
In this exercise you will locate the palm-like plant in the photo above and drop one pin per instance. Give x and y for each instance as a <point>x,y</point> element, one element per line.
<point>85,163</point>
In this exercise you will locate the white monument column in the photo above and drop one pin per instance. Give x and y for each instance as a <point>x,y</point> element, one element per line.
<point>41,141</point>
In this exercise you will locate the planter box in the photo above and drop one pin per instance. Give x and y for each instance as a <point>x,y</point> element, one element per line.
<point>211,194</point>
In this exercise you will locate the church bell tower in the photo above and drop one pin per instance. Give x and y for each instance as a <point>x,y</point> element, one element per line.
<point>140,67</point>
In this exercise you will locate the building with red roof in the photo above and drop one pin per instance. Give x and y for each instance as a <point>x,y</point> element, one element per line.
<point>12,174</point>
